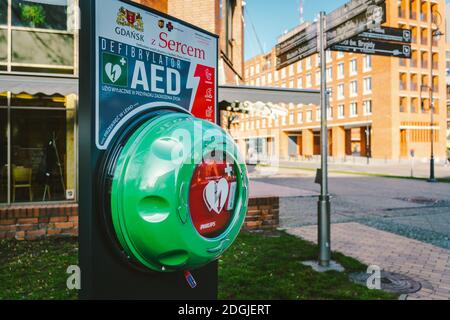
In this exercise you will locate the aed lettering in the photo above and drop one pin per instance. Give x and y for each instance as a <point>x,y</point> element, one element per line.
<point>162,79</point>
<point>179,47</point>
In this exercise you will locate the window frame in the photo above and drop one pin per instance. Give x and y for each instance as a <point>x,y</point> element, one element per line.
<point>10,109</point>
<point>34,68</point>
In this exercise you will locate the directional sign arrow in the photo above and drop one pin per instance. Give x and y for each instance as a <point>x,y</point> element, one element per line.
<point>374,47</point>
<point>388,34</point>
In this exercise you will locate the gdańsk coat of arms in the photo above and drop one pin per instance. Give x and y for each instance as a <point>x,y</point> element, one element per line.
<point>131,19</point>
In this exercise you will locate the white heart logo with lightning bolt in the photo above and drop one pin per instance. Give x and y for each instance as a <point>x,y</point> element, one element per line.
<point>216,195</point>
<point>113,72</point>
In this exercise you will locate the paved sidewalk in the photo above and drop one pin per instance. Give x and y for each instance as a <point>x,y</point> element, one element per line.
<point>263,190</point>
<point>423,262</point>
<point>420,169</point>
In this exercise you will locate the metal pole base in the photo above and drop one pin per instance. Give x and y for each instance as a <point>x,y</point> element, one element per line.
<point>324,231</point>
<point>432,175</point>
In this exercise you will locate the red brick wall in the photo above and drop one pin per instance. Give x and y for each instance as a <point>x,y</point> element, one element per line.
<point>37,222</point>
<point>263,214</point>
<point>160,5</point>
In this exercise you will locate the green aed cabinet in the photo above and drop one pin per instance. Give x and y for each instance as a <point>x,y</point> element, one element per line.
<point>163,189</point>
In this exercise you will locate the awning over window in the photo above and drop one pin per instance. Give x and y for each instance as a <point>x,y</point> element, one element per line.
<point>33,85</point>
<point>232,94</point>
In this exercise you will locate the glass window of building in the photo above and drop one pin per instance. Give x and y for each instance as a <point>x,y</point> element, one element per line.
<point>367,63</point>
<point>330,113</point>
<point>353,88</point>
<point>339,55</point>
<point>299,66</point>
<point>42,36</point>
<point>368,107</point>
<point>300,117</point>
<point>341,111</point>
<point>3,12</point>
<point>300,83</point>
<point>308,63</point>
<point>3,154</point>
<point>309,116</point>
<point>353,67</point>
<point>42,147</point>
<point>353,109</point>
<point>308,81</point>
<point>318,114</point>
<point>367,85</point>
<point>340,91</point>
<point>340,71</point>
<point>291,70</point>
<point>317,77</point>
<point>329,74</point>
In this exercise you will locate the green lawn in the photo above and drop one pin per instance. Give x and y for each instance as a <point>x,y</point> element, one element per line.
<point>256,267</point>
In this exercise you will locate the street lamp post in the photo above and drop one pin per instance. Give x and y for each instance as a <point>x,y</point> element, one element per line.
<point>324,199</point>
<point>436,33</point>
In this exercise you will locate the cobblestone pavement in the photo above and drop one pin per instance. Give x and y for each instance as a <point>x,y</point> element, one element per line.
<point>411,208</point>
<point>423,262</point>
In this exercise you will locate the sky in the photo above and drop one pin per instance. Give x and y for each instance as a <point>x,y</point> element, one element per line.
<point>271,18</point>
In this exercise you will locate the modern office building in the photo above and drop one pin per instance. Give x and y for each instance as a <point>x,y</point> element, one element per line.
<point>39,95</point>
<point>379,106</point>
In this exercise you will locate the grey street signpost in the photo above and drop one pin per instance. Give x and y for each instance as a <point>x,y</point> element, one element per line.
<point>348,21</point>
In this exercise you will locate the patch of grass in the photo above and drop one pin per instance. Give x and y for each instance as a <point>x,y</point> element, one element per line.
<point>36,270</point>
<point>269,267</point>
<point>257,266</point>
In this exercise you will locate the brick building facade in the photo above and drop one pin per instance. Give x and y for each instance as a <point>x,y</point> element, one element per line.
<point>380,106</point>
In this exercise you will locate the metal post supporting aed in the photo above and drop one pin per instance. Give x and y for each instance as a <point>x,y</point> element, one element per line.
<point>324,200</point>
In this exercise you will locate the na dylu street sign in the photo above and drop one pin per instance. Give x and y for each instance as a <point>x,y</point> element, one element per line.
<point>346,22</point>
<point>370,18</point>
<point>374,47</point>
<point>299,39</point>
<point>388,34</point>
<point>296,54</point>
